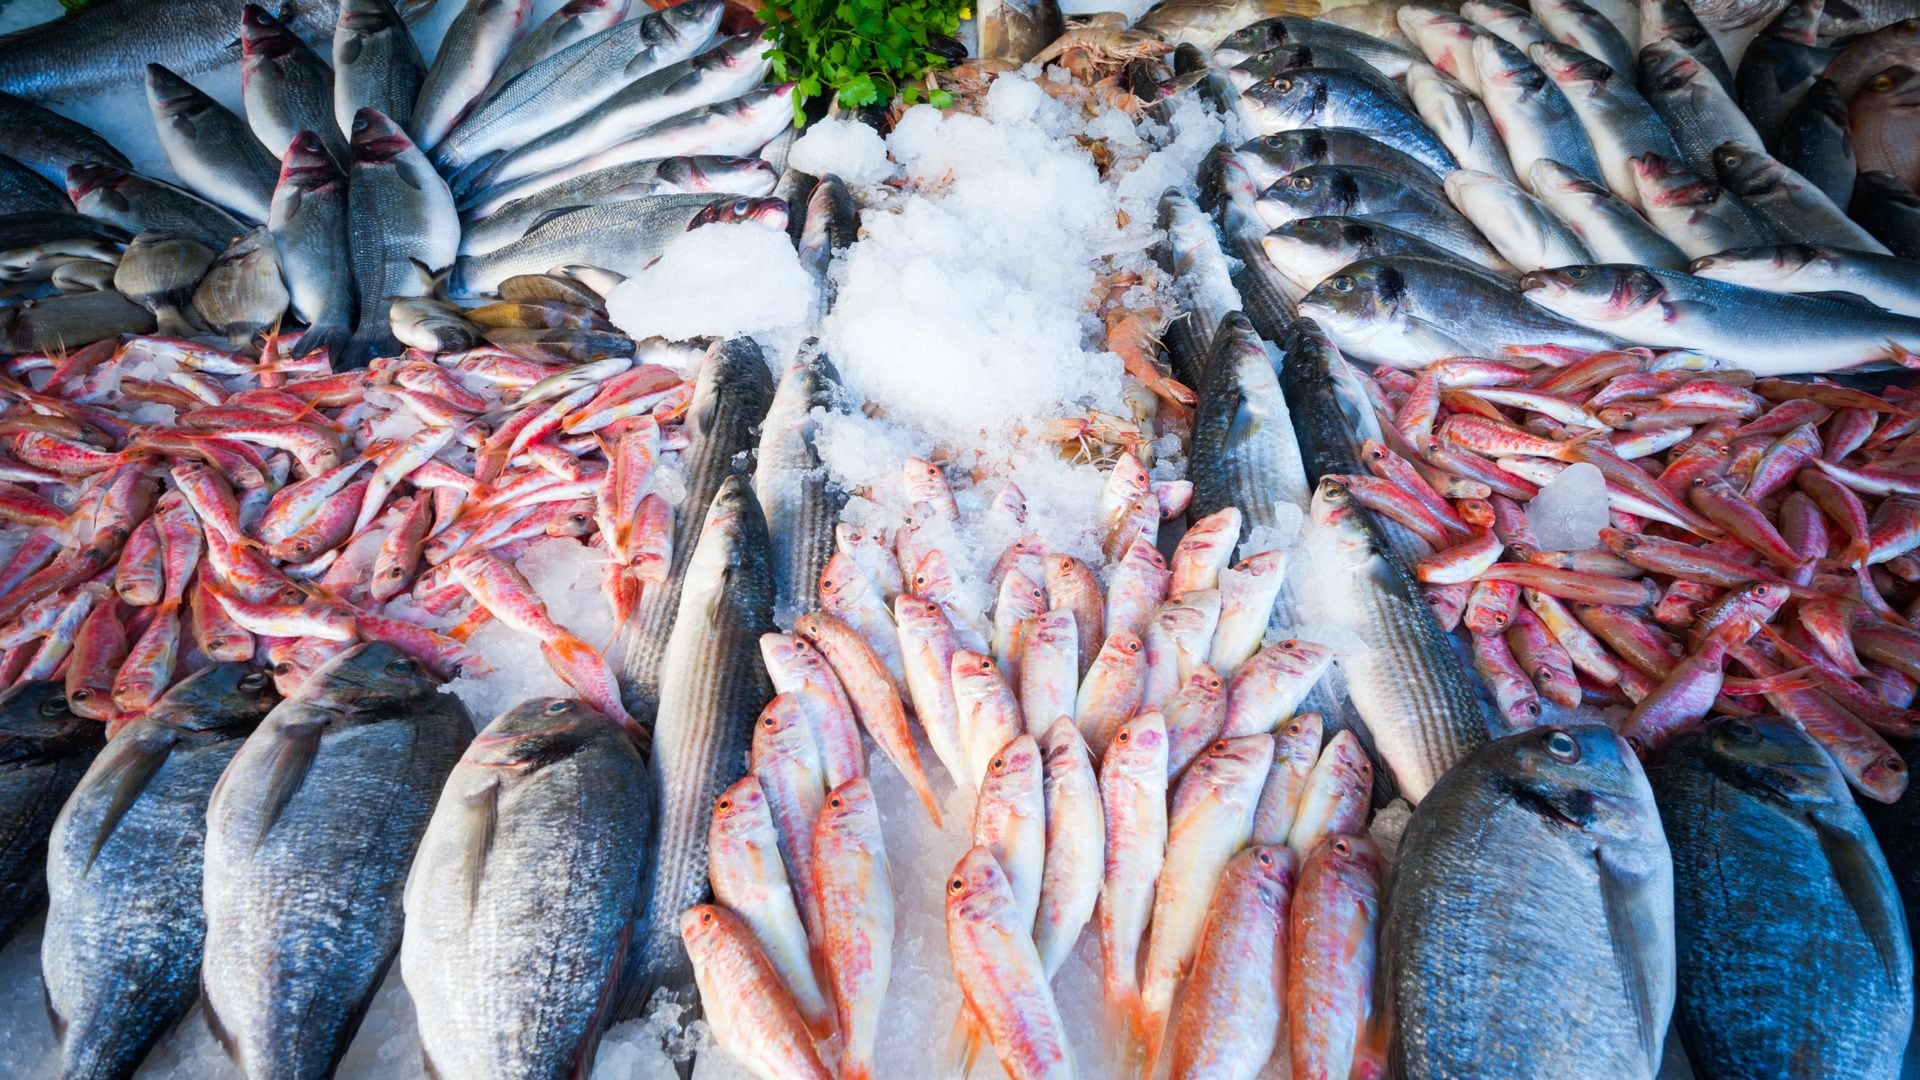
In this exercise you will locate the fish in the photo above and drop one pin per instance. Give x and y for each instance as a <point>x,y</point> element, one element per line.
<point>854,881</point>
<point>47,750</point>
<point>1371,195</point>
<point>1617,119</point>
<point>1535,119</point>
<point>509,973</point>
<point>50,144</point>
<point>1806,873</point>
<point>1515,26</point>
<point>285,87</point>
<point>1268,158</point>
<point>1787,201</point>
<point>1446,39</point>
<point>308,218</point>
<point>1889,210</point>
<point>1389,58</point>
<point>1698,108</point>
<point>569,23</point>
<point>1408,312</point>
<point>243,292</point>
<point>376,65</point>
<point>107,45</point>
<point>1586,29</point>
<point>1245,453</point>
<point>1300,58</point>
<point>830,225</point>
<point>624,236</point>
<point>1003,987</point>
<point>1520,227</point>
<point>572,81</point>
<point>1075,846</point>
<point>754,1019</point>
<point>67,321</point>
<point>799,504</point>
<point>476,42</point>
<point>23,190</point>
<point>1814,141</point>
<point>212,150</point>
<point>135,203</point>
<point>401,224</point>
<point>1881,123</point>
<point>1673,23</point>
<point>1206,22</point>
<point>158,271</point>
<point>1610,227</point>
<point>1311,250</point>
<point>1779,65</point>
<point>750,879</point>
<point>1420,724</point>
<point>1891,42</point>
<point>1460,120</point>
<point>1016,30</point>
<point>732,394</point>
<point>1885,281</point>
<point>492,225</point>
<point>1325,97</point>
<point>712,689</point>
<point>1267,298</point>
<point>121,951</point>
<point>1133,800</point>
<point>1767,333</point>
<point>296,946</point>
<point>1331,954</point>
<point>1231,1019</point>
<point>1562,812</point>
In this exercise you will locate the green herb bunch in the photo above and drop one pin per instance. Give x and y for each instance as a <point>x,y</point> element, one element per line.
<point>862,51</point>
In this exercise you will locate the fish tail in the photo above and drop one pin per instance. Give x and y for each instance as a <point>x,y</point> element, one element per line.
<point>963,1042</point>
<point>918,778</point>
<point>170,321</point>
<point>331,336</point>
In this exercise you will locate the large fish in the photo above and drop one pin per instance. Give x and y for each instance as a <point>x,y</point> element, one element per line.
<point>1202,280</point>
<point>473,49</point>
<point>1328,97</point>
<point>1767,333</point>
<point>121,955</point>
<point>44,750</point>
<point>49,143</point>
<point>108,44</point>
<point>493,225</point>
<point>800,505</point>
<point>731,395</point>
<point>309,836</point>
<point>1883,280</point>
<point>211,149</point>
<point>1533,884</point>
<point>308,217</point>
<point>1407,683</point>
<point>284,86</point>
<point>569,23</point>
<point>1793,955</point>
<point>1244,452</point>
<point>401,225</point>
<point>524,895</point>
<point>376,65</point>
<point>1228,193</point>
<point>712,688</point>
<point>137,203</point>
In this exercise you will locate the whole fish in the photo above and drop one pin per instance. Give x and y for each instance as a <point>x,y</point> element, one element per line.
<point>285,86</point>
<point>1327,97</point>
<point>121,954</point>
<point>1882,280</point>
<point>1270,157</point>
<point>1372,195</point>
<point>1311,250</point>
<point>712,688</point>
<point>1773,863</point>
<point>1198,265</point>
<point>46,749</point>
<point>750,879</point>
<point>108,44</point>
<point>1460,120</point>
<point>525,893</point>
<point>854,881</point>
<point>569,23</point>
<point>303,901</point>
<point>623,237</point>
<point>1787,201</point>
<point>1890,210</point>
<point>1133,803</point>
<point>732,393</point>
<point>1389,58</point>
<point>1076,844</point>
<point>210,148</point>
<point>158,271</point>
<point>1567,820</point>
<point>136,202</point>
<point>476,42</point>
<point>1303,57</point>
<point>493,225</point>
<point>571,82</point>
<point>1016,30</point>
<point>1767,333</point>
<point>1409,312</point>
<point>49,143</point>
<point>376,65</point>
<point>308,218</point>
<point>1520,227</point>
<point>1206,22</point>
<point>1618,121</point>
<point>1535,119</point>
<point>1003,986</point>
<point>401,225</point>
<point>1779,65</point>
<point>1231,1020</point>
<point>754,1018</point>
<point>1408,686</point>
<point>1611,228</point>
<point>799,504</point>
<point>1331,955</point>
<point>65,321</point>
<point>243,292</point>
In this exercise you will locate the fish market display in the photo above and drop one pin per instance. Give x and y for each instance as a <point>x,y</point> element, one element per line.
<point>1245,540</point>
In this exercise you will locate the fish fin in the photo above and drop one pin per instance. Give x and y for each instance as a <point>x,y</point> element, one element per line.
<point>409,175</point>
<point>1431,342</point>
<point>1866,884</point>
<point>1899,354</point>
<point>1805,678</point>
<point>1632,928</point>
<point>550,215</point>
<point>483,818</point>
<point>963,1042</point>
<point>215,1026</point>
<point>1693,309</point>
<point>349,50</point>
<point>129,772</point>
<point>293,751</point>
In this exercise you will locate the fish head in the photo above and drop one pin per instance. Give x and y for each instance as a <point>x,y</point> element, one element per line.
<point>1499,64</point>
<point>920,617</point>
<point>1746,169</point>
<point>1355,860</point>
<point>1593,293</point>
<point>1232,764</point>
<point>367,16</point>
<point>1063,749</point>
<point>262,38</point>
<point>1016,765</point>
<point>372,677</point>
<point>1122,652</point>
<point>1666,67</point>
<point>698,19</point>
<point>172,96</point>
<point>307,165</point>
<point>850,812</point>
<point>1289,99</point>
<point>27,705</point>
<point>1569,68</point>
<point>1766,755</point>
<point>536,733</point>
<point>763,208</point>
<point>978,889</point>
<point>741,809</point>
<point>719,173</point>
<point>222,697</point>
<point>1301,659</point>
<point>1877,185</point>
<point>375,137</point>
<point>1581,777</point>
<point>1357,301</point>
<point>1433,30</point>
<point>96,178</point>
<point>1203,686</point>
<point>1892,87</point>
<point>1139,749</point>
<point>1315,191</point>
<point>1297,743</point>
<point>782,729</point>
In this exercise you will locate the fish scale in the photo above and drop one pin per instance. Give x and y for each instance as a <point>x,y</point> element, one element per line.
<point>799,503</point>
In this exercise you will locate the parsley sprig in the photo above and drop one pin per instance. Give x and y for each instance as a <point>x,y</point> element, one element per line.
<point>861,51</point>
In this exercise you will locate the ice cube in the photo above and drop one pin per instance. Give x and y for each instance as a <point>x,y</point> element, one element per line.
<point>1569,513</point>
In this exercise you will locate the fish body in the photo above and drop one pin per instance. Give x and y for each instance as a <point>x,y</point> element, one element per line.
<point>1885,281</point>
<point>1783,866</point>
<point>495,224</point>
<point>1814,141</point>
<point>471,52</point>
<point>799,504</point>
<point>308,218</point>
<point>211,149</point>
<point>285,87</point>
<point>121,953</point>
<point>376,65</point>
<point>135,203</point>
<point>1889,210</point>
<point>1328,97</point>
<point>50,144</point>
<point>1566,817</point>
<point>401,225</point>
<point>303,901</point>
<point>46,749</point>
<point>524,895</point>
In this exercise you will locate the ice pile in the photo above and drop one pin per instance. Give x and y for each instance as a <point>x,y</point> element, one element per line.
<point>846,148</point>
<point>721,281</point>
<point>1570,511</point>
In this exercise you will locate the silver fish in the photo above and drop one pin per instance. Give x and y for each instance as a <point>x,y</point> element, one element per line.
<point>1447,41</point>
<point>1388,58</point>
<point>46,749</point>
<point>1696,212</point>
<point>1313,249</point>
<point>1579,26</point>
<point>1323,97</point>
<point>829,228</point>
<point>569,23</point>
<point>472,50</point>
<point>525,891</point>
<point>571,82</point>
<point>1270,157</point>
<point>1610,228</point>
<point>1815,142</point>
<point>1556,820</point>
<point>1372,195</point>
<point>1520,227</point>
<point>493,225</point>
<point>798,501</point>
<point>121,953</point>
<point>136,203</point>
<point>1515,26</point>
<point>309,222</point>
<point>285,86</point>
<point>1193,258</point>
<point>1779,66</point>
<point>303,896</point>
<point>1460,120</point>
<point>67,321</point>
<point>1535,119</point>
<point>1890,210</point>
<point>22,189</point>
<point>1227,192</point>
<point>1618,121</point>
<point>1882,280</point>
<point>1699,111</point>
<point>400,221</point>
<point>49,143</point>
<point>1673,22</point>
<point>211,149</point>
<point>421,323</point>
<point>375,64</point>
<point>712,688</point>
<point>1788,202</point>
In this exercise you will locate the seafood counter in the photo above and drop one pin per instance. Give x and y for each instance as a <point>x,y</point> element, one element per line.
<point>1251,541</point>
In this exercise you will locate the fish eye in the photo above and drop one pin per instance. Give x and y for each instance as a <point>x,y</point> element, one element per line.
<point>402,666</point>
<point>1220,746</point>
<point>1265,857</point>
<point>1132,646</point>
<point>284,667</point>
<point>956,885</point>
<point>998,764</point>
<point>835,802</point>
<point>54,706</point>
<point>1894,764</point>
<point>1340,284</point>
<point>556,707</point>
<point>1881,84</point>
<point>1294,728</point>
<point>254,682</point>
<point>1283,85</point>
<point>1287,645</point>
<point>1342,846</point>
<point>1578,273</point>
<point>742,206</point>
<point>1300,183</point>
<point>81,694</point>
<point>1743,730</point>
<point>706,917</point>
<point>726,804</point>
<point>1563,747</point>
<point>1125,736</point>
